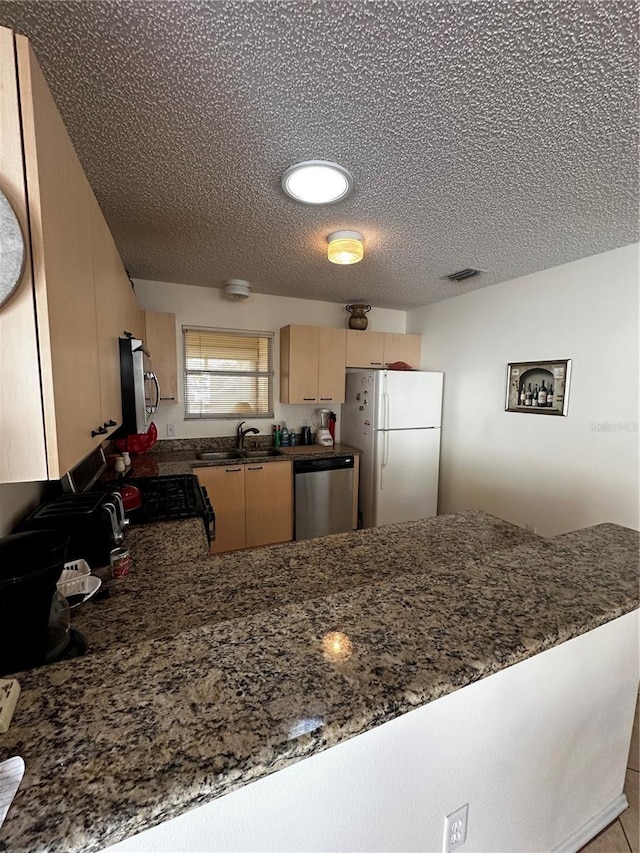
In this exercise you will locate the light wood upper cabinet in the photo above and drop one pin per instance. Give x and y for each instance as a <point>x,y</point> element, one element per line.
<point>60,380</point>
<point>253,503</point>
<point>378,349</point>
<point>22,445</point>
<point>59,212</point>
<point>269,503</point>
<point>332,344</point>
<point>312,364</point>
<point>407,348</point>
<point>160,339</point>
<point>365,349</point>
<point>117,310</point>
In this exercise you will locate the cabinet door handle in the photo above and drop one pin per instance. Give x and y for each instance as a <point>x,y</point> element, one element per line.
<point>326,398</point>
<point>110,423</point>
<point>309,399</point>
<point>232,470</point>
<point>259,468</point>
<point>100,431</point>
<point>376,363</point>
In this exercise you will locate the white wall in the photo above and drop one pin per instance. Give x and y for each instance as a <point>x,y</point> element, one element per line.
<point>553,473</point>
<point>199,306</point>
<point>538,751</point>
<point>16,499</point>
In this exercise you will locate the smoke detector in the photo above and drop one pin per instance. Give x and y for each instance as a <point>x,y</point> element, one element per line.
<point>236,289</point>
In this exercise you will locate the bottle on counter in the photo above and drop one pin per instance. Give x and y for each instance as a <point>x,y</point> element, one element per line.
<point>276,435</point>
<point>284,437</point>
<point>293,438</point>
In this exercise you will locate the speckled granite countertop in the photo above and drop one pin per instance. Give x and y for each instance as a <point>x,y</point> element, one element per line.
<point>180,456</point>
<point>212,663</point>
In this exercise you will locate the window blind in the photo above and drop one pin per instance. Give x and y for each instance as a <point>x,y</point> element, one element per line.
<point>227,373</point>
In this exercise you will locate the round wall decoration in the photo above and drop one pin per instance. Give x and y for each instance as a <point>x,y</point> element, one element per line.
<point>11,250</point>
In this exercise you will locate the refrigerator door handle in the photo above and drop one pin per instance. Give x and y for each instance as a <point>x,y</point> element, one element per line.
<point>385,458</point>
<point>385,400</point>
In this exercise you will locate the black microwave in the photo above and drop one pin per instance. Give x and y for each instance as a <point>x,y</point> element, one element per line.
<point>140,388</point>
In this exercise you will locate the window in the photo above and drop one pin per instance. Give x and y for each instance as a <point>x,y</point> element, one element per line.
<point>227,373</point>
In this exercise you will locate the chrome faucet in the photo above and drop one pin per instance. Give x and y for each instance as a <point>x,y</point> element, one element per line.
<point>242,432</point>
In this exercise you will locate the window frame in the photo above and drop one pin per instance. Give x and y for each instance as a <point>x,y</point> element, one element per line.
<point>269,374</point>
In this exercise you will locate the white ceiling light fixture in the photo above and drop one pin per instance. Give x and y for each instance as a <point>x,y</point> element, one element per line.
<point>317,182</point>
<point>236,289</point>
<point>345,247</point>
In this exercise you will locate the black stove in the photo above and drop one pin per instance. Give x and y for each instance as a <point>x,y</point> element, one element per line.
<point>170,498</point>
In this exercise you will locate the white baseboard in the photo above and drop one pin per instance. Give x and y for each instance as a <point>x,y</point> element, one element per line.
<point>593,826</point>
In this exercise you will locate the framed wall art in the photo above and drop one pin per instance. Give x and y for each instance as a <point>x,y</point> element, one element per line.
<point>538,387</point>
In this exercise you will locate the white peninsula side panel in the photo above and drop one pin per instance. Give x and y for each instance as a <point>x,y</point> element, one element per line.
<point>538,751</point>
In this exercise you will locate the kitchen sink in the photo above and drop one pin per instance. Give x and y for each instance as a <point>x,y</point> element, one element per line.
<point>215,455</point>
<point>224,455</point>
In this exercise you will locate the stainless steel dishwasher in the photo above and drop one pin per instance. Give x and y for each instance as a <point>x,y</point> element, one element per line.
<point>323,496</point>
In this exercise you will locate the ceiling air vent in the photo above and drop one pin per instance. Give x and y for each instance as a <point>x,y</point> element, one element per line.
<point>469,272</point>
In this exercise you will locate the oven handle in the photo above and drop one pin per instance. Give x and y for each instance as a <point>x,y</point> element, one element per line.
<point>209,516</point>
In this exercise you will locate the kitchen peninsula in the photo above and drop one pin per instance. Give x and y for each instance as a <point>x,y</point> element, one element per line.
<point>207,673</point>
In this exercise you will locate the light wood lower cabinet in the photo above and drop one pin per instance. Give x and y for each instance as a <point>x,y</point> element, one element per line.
<point>225,486</point>
<point>269,503</point>
<point>253,503</point>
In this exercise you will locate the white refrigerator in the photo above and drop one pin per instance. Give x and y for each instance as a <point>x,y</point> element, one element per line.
<point>393,418</point>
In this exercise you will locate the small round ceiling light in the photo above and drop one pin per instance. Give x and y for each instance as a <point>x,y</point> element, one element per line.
<point>345,247</point>
<point>236,289</point>
<point>317,182</point>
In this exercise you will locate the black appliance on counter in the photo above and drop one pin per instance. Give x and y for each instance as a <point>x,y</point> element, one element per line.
<point>93,522</point>
<point>137,407</point>
<point>170,498</point>
<point>92,511</point>
<point>34,616</point>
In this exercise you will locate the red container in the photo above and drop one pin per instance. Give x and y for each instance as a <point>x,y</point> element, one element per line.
<point>120,562</point>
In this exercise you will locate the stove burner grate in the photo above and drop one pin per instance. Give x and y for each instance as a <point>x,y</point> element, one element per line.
<point>169,497</point>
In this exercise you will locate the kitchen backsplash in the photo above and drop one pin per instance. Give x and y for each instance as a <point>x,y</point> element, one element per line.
<point>220,442</point>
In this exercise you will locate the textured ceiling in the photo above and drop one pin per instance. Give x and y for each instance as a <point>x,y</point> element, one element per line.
<point>500,135</point>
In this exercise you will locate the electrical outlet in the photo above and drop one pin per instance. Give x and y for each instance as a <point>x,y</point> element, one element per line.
<point>455,829</point>
<point>171,430</point>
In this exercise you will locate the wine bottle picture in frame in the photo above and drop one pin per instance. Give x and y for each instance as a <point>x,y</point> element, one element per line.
<point>538,387</point>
